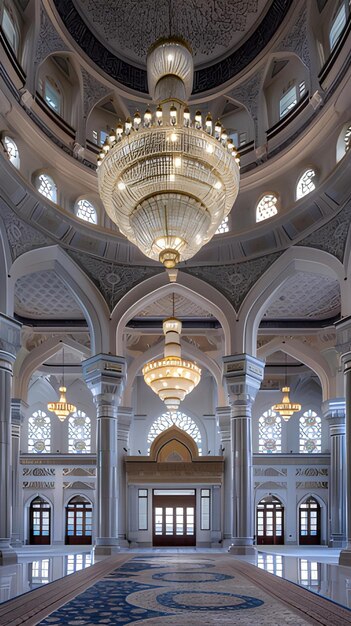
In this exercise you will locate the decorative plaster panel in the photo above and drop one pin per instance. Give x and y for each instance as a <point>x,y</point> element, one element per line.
<point>48,40</point>
<point>182,306</point>
<point>306,295</point>
<point>236,280</point>
<point>43,295</point>
<point>113,280</point>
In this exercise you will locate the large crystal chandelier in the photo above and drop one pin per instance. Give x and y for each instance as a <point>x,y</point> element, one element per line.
<point>172,377</point>
<point>167,180</point>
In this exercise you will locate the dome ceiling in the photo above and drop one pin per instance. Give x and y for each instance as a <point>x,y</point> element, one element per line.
<point>211,28</point>
<point>225,36</point>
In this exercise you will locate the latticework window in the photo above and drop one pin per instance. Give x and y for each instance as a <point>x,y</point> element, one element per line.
<point>287,101</point>
<point>86,211</point>
<point>47,187</point>
<point>12,151</point>
<point>310,432</point>
<point>79,433</point>
<point>266,207</point>
<point>305,184</point>
<point>183,421</point>
<point>39,432</point>
<point>270,432</point>
<point>223,227</point>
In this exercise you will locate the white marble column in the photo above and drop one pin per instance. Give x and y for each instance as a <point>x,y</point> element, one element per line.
<point>243,375</point>
<point>17,417</point>
<point>105,375</point>
<point>334,412</point>
<point>125,415</point>
<point>10,341</point>
<point>223,414</point>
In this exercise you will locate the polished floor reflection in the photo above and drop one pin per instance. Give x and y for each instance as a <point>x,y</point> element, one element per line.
<point>39,570</point>
<point>316,568</point>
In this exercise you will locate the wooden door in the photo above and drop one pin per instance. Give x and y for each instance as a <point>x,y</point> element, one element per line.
<point>174,520</point>
<point>310,522</point>
<point>270,522</point>
<point>78,521</point>
<point>39,522</point>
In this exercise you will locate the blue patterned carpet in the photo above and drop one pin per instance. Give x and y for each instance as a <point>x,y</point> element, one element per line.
<point>174,590</point>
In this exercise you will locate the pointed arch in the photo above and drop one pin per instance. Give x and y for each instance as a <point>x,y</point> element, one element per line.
<point>83,290</point>
<point>160,445</point>
<point>153,288</point>
<point>306,354</point>
<point>36,357</point>
<point>294,260</point>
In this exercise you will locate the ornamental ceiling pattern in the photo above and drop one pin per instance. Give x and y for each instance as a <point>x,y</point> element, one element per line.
<point>306,295</point>
<point>235,280</point>
<point>212,27</point>
<point>43,295</point>
<point>91,22</point>
<point>183,307</point>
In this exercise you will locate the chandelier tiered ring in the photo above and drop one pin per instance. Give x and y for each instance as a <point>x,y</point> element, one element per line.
<point>168,181</point>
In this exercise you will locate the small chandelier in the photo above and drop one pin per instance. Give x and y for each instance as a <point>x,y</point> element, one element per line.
<point>62,408</point>
<point>172,377</point>
<point>286,408</point>
<point>165,179</point>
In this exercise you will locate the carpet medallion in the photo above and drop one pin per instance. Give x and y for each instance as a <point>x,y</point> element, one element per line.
<point>177,590</point>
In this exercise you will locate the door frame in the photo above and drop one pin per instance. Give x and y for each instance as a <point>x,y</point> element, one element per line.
<point>281,541</point>
<point>173,502</point>
<point>319,518</point>
<point>30,521</point>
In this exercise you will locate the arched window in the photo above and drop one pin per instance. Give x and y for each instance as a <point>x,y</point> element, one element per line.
<point>10,28</point>
<point>310,432</point>
<point>86,211</point>
<point>337,25</point>
<point>344,142</point>
<point>79,433</point>
<point>12,151</point>
<point>52,95</point>
<point>270,521</point>
<point>266,207</point>
<point>39,432</point>
<point>166,420</point>
<point>47,187</point>
<point>305,184</point>
<point>223,227</point>
<point>270,432</point>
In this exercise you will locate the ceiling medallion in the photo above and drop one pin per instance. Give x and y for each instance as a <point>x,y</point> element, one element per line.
<point>168,180</point>
<point>172,377</point>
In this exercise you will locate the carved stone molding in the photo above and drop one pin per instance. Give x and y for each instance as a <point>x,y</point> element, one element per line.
<point>49,40</point>
<point>93,91</point>
<point>234,280</point>
<point>297,39</point>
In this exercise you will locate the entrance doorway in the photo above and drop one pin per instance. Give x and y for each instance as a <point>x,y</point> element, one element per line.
<point>174,517</point>
<point>270,521</point>
<point>39,522</point>
<point>309,522</point>
<point>78,521</point>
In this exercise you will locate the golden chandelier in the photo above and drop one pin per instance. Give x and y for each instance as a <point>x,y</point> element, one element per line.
<point>172,377</point>
<point>168,180</point>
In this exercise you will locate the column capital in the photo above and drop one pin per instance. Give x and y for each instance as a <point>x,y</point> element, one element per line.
<point>125,416</point>
<point>223,415</point>
<point>334,409</point>
<point>18,408</point>
<point>10,338</point>
<point>242,374</point>
<point>105,376</point>
<point>343,338</point>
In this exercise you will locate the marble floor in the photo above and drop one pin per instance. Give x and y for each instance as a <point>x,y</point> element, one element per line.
<point>314,568</point>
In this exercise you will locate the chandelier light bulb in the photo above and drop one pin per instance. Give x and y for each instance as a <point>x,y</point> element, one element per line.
<point>208,124</point>
<point>128,125</point>
<point>173,115</point>
<point>186,115</point>
<point>159,115</point>
<point>198,120</point>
